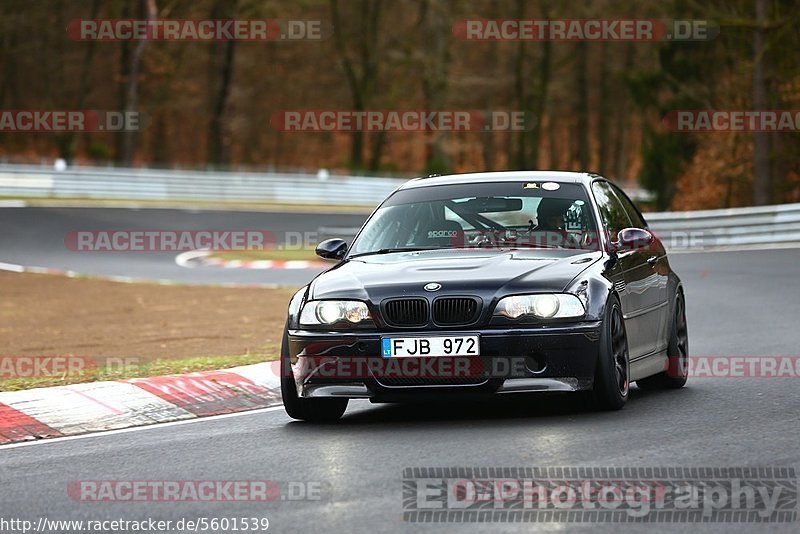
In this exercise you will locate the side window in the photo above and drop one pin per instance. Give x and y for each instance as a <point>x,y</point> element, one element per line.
<point>612,212</point>
<point>633,213</point>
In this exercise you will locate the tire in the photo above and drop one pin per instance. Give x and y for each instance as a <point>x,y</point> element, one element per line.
<point>314,410</point>
<point>677,352</point>
<point>612,374</point>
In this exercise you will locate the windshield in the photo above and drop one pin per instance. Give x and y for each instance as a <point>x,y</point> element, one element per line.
<point>508,215</point>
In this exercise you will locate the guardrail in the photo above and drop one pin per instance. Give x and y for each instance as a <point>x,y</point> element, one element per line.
<point>697,230</point>
<point>150,184</point>
<point>772,225</point>
<point>172,185</point>
<point>694,229</point>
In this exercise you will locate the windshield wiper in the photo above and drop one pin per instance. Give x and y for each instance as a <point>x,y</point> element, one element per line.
<point>391,250</point>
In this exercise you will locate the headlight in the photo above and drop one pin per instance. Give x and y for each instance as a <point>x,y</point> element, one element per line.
<point>545,306</point>
<point>329,312</point>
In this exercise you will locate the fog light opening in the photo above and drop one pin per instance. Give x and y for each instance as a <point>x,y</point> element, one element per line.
<point>536,362</point>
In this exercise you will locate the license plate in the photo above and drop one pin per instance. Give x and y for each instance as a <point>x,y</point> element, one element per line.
<point>416,347</point>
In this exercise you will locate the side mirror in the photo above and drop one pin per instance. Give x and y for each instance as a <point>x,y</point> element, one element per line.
<point>632,239</point>
<point>332,249</point>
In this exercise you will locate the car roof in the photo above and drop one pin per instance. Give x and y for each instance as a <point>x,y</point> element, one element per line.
<point>502,176</point>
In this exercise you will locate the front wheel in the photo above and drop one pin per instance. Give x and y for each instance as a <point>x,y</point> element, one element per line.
<point>677,353</point>
<point>612,375</point>
<point>315,410</point>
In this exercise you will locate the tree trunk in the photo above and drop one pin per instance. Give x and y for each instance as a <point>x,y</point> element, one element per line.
<point>131,87</point>
<point>582,111</point>
<point>361,83</point>
<point>620,148</point>
<point>761,166</point>
<point>601,131</point>
<point>70,145</point>
<point>540,96</point>
<point>520,156</point>
<point>222,62</point>
<point>435,69</point>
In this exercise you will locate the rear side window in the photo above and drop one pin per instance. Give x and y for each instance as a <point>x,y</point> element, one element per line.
<point>633,213</point>
<point>612,212</point>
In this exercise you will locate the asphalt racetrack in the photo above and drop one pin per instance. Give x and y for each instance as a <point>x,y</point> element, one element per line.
<point>739,304</point>
<point>36,237</point>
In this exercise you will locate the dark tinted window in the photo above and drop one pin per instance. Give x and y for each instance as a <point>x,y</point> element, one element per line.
<point>633,213</point>
<point>612,213</point>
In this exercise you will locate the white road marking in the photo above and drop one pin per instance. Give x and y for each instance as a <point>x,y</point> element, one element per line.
<point>13,204</point>
<point>184,259</point>
<point>11,267</point>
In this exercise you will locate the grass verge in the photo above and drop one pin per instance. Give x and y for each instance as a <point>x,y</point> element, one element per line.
<point>153,329</point>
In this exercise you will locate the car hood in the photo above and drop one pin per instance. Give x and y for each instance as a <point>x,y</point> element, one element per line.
<point>459,271</point>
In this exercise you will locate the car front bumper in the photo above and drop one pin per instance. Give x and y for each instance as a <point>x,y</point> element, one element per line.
<point>513,360</point>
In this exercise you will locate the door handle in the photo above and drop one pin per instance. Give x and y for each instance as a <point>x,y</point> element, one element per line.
<point>652,260</point>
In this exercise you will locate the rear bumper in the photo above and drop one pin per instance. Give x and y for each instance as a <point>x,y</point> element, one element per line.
<point>520,360</point>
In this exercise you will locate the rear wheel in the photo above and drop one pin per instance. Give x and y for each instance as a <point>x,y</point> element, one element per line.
<point>315,410</point>
<point>677,353</point>
<point>612,375</point>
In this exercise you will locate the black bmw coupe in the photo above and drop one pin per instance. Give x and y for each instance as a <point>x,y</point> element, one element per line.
<point>488,284</point>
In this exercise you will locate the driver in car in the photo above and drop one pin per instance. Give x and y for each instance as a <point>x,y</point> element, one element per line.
<point>549,230</point>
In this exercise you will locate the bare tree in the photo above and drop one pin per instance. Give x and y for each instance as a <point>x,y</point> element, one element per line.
<point>582,105</point>
<point>762,182</point>
<point>362,72</point>
<point>131,68</point>
<point>530,89</point>
<point>434,18</point>
<point>220,76</point>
